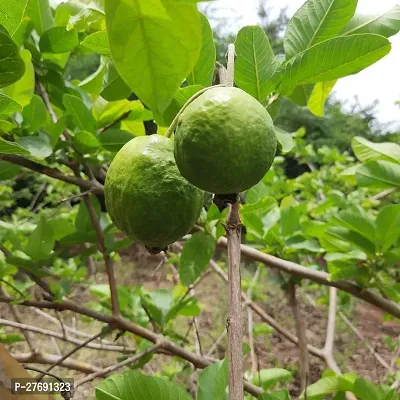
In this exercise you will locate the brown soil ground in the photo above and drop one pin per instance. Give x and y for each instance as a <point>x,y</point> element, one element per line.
<point>136,267</point>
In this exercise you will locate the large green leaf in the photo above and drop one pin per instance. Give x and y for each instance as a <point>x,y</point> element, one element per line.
<point>114,139</point>
<point>388,226</point>
<point>285,139</point>
<point>179,100</point>
<point>12,148</point>
<point>351,237</point>
<point>379,174</point>
<point>59,40</point>
<point>203,72</point>
<point>8,105</point>
<point>80,114</point>
<point>333,59</point>
<point>83,222</point>
<point>268,378</point>
<point>212,382</point>
<point>196,255</point>
<point>11,14</point>
<point>86,142</point>
<point>365,390</point>
<point>318,97</point>
<point>8,170</point>
<point>132,385</point>
<point>35,113</point>
<point>356,220</point>
<point>38,145</point>
<point>97,42</point>
<point>12,66</point>
<point>40,13</point>
<point>315,22</point>
<point>41,241</point>
<point>22,90</point>
<point>256,66</point>
<point>164,42</point>
<point>386,25</point>
<point>327,386</point>
<point>366,151</point>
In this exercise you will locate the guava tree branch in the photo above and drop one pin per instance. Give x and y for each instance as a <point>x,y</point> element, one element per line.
<point>253,354</point>
<point>266,317</point>
<point>123,324</point>
<point>53,173</point>
<point>44,358</point>
<point>104,372</point>
<point>46,332</point>
<point>316,276</point>
<point>107,259</point>
<point>301,335</point>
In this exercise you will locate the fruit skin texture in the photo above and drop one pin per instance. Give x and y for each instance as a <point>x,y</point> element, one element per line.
<point>224,141</point>
<point>146,196</point>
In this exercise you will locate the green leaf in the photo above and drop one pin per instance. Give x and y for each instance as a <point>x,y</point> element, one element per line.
<point>40,13</point>
<point>22,90</point>
<point>365,390</point>
<point>319,95</point>
<point>367,151</point>
<point>83,223</point>
<point>326,386</point>
<point>61,228</point>
<point>86,143</point>
<point>333,59</point>
<point>81,116</point>
<point>41,241</point>
<point>12,148</point>
<point>90,18</point>
<point>35,113</point>
<point>356,220</point>
<point>132,385</point>
<point>268,378</point>
<point>277,395</point>
<point>114,139</point>
<point>212,382</point>
<point>8,171</point>
<point>153,68</point>
<point>65,10</point>
<point>388,226</point>
<point>8,106</point>
<point>315,22</point>
<point>12,66</point>
<point>59,40</point>
<point>11,14</point>
<point>385,25</point>
<point>38,145</point>
<point>113,86</point>
<point>353,237</point>
<point>93,83</point>
<point>97,42</point>
<point>9,338</point>
<point>379,174</point>
<point>285,139</point>
<point>301,94</point>
<point>196,254</point>
<point>179,100</point>
<point>256,66</point>
<point>203,72</point>
<point>290,221</point>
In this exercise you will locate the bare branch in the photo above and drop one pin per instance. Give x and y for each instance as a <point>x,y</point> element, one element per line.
<point>254,362</point>
<point>107,259</point>
<point>113,123</point>
<point>96,346</point>
<point>55,173</point>
<point>83,344</point>
<point>265,317</point>
<point>112,368</point>
<point>301,334</point>
<point>44,358</point>
<point>316,276</point>
<point>123,324</point>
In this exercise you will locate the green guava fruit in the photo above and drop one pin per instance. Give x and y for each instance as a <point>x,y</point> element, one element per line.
<point>146,196</point>
<point>224,141</point>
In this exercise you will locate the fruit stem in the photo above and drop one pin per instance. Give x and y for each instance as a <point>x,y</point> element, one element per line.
<point>172,127</point>
<point>233,235</point>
